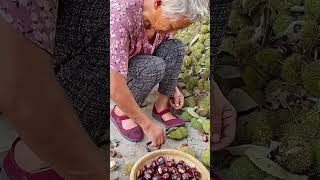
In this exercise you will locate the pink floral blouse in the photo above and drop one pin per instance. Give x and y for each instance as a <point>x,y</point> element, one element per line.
<point>127,34</point>
<point>35,19</point>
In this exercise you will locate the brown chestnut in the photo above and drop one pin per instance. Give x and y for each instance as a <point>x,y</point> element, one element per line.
<point>147,176</point>
<point>140,173</point>
<point>149,171</point>
<point>157,177</point>
<point>176,176</point>
<point>181,170</point>
<point>160,160</point>
<point>160,170</point>
<point>169,163</point>
<point>154,164</point>
<point>166,176</point>
<point>185,176</point>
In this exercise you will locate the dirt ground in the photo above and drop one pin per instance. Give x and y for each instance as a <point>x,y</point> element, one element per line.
<point>131,151</point>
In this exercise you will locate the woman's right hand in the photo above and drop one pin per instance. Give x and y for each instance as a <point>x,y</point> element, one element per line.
<point>155,134</point>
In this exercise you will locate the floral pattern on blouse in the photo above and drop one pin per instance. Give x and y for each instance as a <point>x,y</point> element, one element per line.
<point>35,19</point>
<point>127,34</point>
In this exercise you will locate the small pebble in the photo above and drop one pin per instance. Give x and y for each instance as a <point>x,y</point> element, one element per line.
<point>115,142</point>
<point>113,165</point>
<point>119,155</point>
<point>205,138</point>
<point>184,145</point>
<point>113,153</point>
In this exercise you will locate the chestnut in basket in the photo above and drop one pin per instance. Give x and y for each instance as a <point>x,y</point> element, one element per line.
<point>169,163</point>
<point>161,168</point>
<point>157,177</point>
<point>154,164</point>
<point>185,176</point>
<point>140,173</point>
<point>176,176</point>
<point>160,160</point>
<point>166,176</point>
<point>147,176</point>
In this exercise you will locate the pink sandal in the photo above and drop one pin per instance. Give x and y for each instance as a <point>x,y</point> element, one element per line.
<point>176,122</point>
<point>14,172</point>
<point>135,134</point>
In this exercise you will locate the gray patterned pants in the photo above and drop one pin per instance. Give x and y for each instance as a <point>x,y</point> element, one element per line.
<point>163,67</point>
<point>81,63</point>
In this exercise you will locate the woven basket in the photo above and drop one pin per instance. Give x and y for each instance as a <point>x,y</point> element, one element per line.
<point>170,154</point>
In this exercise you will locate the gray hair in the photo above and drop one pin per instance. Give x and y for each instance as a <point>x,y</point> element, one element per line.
<point>194,10</point>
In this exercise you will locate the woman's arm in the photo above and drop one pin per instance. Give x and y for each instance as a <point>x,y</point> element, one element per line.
<point>35,104</point>
<point>122,96</point>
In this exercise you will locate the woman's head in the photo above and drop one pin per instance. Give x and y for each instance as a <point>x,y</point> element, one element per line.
<point>172,15</point>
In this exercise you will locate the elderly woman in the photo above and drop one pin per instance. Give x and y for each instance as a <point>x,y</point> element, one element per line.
<point>142,55</point>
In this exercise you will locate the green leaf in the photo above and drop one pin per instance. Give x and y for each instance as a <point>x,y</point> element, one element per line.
<point>259,158</point>
<point>241,100</point>
<point>192,112</point>
<point>228,72</point>
<point>185,93</point>
<point>240,150</point>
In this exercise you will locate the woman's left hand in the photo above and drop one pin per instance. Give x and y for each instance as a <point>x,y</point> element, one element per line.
<point>178,100</point>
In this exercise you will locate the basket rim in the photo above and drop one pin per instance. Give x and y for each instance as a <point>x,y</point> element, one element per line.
<point>184,155</point>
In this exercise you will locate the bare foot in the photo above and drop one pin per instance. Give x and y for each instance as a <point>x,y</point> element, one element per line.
<point>128,123</point>
<point>162,104</point>
<point>26,159</point>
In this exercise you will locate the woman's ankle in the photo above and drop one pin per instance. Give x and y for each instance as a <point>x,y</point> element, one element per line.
<point>162,102</point>
<point>26,159</point>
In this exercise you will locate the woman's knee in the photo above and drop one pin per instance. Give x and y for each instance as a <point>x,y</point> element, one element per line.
<point>173,46</point>
<point>172,51</point>
<point>147,67</point>
<point>156,68</point>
